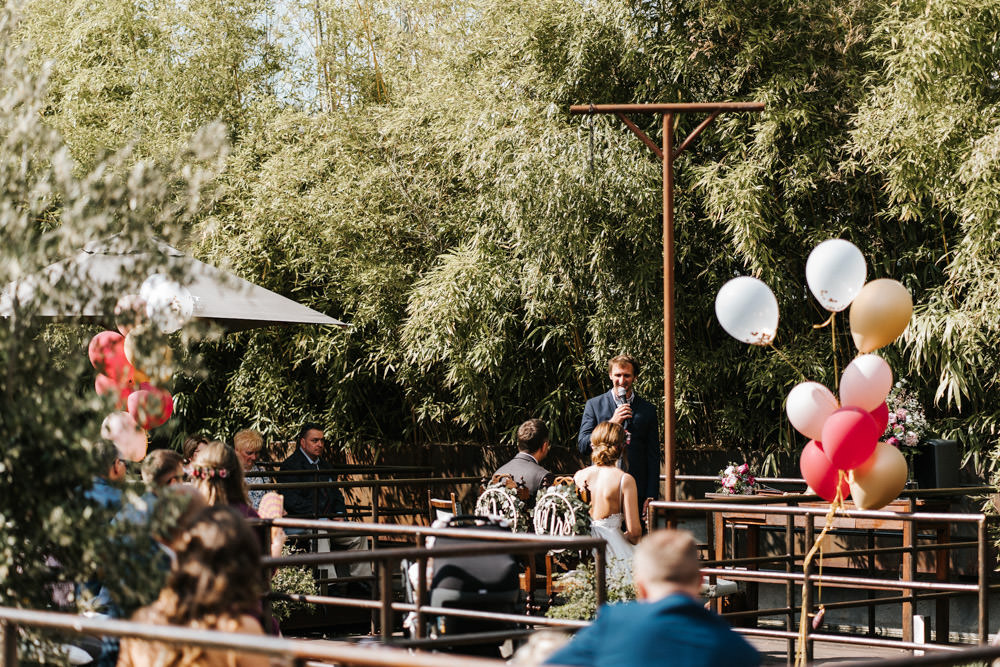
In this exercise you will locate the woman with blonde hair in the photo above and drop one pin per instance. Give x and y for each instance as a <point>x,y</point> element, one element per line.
<point>248,445</point>
<point>613,497</point>
<point>213,585</point>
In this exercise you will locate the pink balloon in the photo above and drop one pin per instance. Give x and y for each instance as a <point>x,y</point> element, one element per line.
<point>121,429</point>
<point>849,437</point>
<point>808,405</point>
<point>104,385</point>
<point>150,407</point>
<point>107,353</point>
<point>820,474</point>
<point>881,417</point>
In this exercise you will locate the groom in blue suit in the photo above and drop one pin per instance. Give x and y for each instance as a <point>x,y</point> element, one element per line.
<point>637,416</point>
<point>668,625</point>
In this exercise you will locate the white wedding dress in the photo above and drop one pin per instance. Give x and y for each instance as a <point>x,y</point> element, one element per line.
<point>619,550</point>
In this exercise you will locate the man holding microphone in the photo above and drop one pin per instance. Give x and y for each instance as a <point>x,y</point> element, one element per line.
<point>637,416</point>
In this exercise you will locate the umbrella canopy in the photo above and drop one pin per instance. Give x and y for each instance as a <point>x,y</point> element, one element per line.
<point>105,267</point>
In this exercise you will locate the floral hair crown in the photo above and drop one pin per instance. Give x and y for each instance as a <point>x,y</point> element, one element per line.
<point>209,473</point>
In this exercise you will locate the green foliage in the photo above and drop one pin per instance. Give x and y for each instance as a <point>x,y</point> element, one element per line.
<point>50,207</point>
<point>578,595</point>
<point>291,581</point>
<point>411,168</point>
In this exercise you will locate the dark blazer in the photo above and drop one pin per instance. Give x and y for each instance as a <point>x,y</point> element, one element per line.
<point>300,502</point>
<point>524,468</point>
<point>675,630</point>
<point>643,452</point>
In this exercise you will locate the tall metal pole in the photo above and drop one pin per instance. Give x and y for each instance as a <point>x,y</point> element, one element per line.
<point>668,154</point>
<point>669,418</point>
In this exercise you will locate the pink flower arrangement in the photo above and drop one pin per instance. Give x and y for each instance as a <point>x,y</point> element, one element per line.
<point>737,479</point>
<point>907,424</point>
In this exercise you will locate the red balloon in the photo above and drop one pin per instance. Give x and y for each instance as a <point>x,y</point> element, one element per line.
<point>104,385</point>
<point>150,407</point>
<point>849,437</point>
<point>820,474</point>
<point>881,417</point>
<point>107,353</point>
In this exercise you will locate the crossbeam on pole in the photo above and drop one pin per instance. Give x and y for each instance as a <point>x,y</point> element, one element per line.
<point>667,155</point>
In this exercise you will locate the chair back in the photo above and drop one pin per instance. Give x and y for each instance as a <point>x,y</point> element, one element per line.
<point>443,509</point>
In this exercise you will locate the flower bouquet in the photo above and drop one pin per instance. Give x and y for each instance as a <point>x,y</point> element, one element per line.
<point>737,479</point>
<point>907,423</point>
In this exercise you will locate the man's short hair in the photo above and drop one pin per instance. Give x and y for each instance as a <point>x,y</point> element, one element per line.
<point>306,427</point>
<point>531,435</point>
<point>158,464</point>
<point>621,360</point>
<point>668,556</point>
<point>248,441</point>
<point>106,453</point>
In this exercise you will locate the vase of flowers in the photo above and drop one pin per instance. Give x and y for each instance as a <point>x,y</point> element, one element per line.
<point>737,480</point>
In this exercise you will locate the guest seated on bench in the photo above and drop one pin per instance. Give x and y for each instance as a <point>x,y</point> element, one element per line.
<point>322,502</point>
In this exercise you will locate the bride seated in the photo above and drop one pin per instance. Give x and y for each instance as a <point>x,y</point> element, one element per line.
<point>613,495</point>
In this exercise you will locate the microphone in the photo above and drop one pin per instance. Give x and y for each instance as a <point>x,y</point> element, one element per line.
<point>620,393</point>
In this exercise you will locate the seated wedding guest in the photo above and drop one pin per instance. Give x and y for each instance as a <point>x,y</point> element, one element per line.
<point>613,497</point>
<point>321,502</point>
<point>213,585</point>
<point>216,472</point>
<point>192,445</point>
<point>161,468</point>
<point>667,625</point>
<point>248,444</point>
<point>533,447</point>
<point>175,510</point>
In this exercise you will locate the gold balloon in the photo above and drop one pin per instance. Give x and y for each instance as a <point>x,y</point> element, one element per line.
<point>150,355</point>
<point>878,481</point>
<point>879,314</point>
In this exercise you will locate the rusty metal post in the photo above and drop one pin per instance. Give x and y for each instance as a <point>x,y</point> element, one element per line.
<point>385,592</point>
<point>600,563</point>
<point>669,418</point>
<point>909,573</point>
<point>419,597</point>
<point>9,645</point>
<point>984,568</point>
<point>790,587</point>
<point>807,587</point>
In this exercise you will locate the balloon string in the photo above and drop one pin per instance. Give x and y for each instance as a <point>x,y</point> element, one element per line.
<point>838,503</point>
<point>788,361</point>
<point>833,346</point>
<point>826,323</point>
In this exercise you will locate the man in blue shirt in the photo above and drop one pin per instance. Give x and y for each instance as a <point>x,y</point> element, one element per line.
<point>668,625</point>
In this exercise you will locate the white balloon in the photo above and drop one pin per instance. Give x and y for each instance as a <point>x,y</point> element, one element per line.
<point>150,284</point>
<point>808,406</point>
<point>169,305</point>
<point>747,310</point>
<point>836,272</point>
<point>866,382</point>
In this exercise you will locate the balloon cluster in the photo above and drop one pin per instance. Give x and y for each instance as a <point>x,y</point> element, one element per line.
<point>843,456</point>
<point>134,362</point>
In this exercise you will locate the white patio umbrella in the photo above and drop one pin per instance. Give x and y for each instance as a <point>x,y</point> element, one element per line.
<point>106,268</point>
